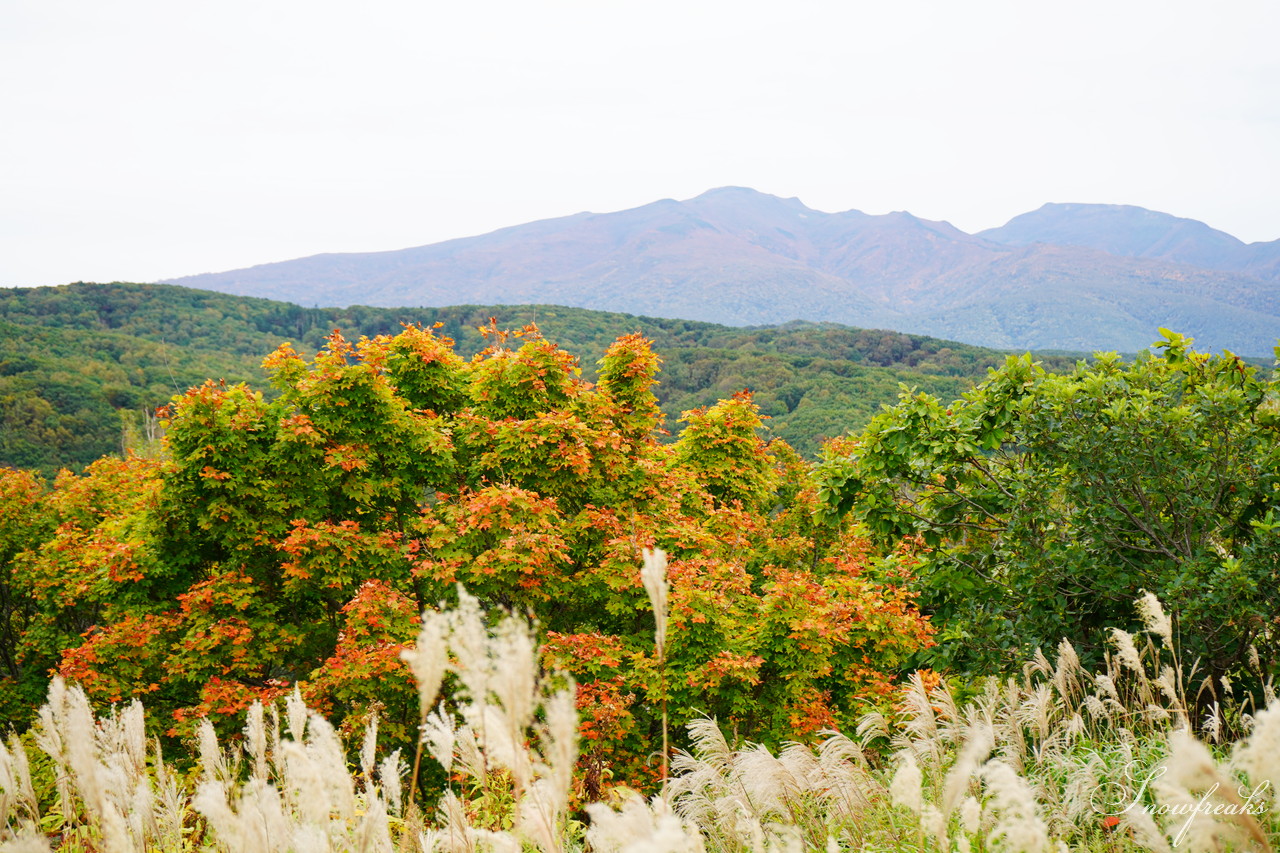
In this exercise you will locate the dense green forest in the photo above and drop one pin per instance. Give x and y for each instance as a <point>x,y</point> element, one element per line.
<point>83,366</point>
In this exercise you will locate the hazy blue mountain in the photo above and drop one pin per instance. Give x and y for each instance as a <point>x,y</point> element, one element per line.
<point>740,257</point>
<point>1136,232</point>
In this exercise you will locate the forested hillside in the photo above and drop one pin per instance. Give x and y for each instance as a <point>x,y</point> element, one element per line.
<point>82,366</point>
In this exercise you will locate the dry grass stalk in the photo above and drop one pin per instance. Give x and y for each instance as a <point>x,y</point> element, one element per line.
<point>1019,767</point>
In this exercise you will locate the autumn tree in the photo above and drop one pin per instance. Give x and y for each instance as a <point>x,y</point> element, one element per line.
<point>294,540</point>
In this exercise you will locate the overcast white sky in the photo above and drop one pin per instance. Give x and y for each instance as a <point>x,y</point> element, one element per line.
<point>146,139</point>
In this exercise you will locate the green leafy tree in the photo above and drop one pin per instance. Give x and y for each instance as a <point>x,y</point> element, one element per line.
<point>1049,501</point>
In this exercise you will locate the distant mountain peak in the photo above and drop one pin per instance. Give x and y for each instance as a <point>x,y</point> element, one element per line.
<point>1067,276</point>
<point>1121,229</point>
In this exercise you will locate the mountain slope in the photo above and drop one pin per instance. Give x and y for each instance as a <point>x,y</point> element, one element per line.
<point>82,366</point>
<point>741,257</point>
<point>1136,232</point>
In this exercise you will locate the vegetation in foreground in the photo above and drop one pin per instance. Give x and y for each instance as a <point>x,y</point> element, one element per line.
<point>1060,758</point>
<point>299,543</point>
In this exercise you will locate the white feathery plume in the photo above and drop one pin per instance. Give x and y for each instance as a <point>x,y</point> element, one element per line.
<point>1066,675</point>
<point>296,711</point>
<point>640,827</point>
<point>1128,652</point>
<point>654,577</point>
<point>1016,825</point>
<point>427,660</point>
<point>975,752</point>
<point>212,758</point>
<point>390,774</point>
<point>905,788</point>
<point>368,751</point>
<point>1189,770</point>
<point>1138,818</point>
<point>1151,611</point>
<point>971,815</point>
<point>255,740</point>
<point>16,793</point>
<point>1258,757</point>
<point>438,733</point>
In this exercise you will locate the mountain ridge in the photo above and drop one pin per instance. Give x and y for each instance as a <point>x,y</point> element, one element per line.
<point>1069,277</point>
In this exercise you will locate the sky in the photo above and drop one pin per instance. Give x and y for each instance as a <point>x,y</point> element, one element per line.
<point>151,139</point>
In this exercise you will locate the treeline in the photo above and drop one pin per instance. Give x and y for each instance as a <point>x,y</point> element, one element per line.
<point>83,366</point>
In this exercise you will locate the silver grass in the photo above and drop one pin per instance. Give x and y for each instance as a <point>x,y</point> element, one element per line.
<point>905,790</point>
<point>467,754</point>
<point>640,827</point>
<point>368,750</point>
<point>273,738</point>
<point>1128,652</point>
<point>654,577</point>
<point>873,725</point>
<point>934,824</point>
<point>845,783</point>
<point>1190,777</point>
<point>325,749</point>
<point>1212,725</point>
<point>542,809</point>
<point>1009,740</point>
<point>373,832</point>
<point>919,729</point>
<point>769,782</point>
<point>16,794</point>
<point>537,817</point>
<point>1189,828</point>
<point>1084,777</point>
<point>455,835</point>
<point>468,638</point>
<point>971,815</point>
<point>48,737</point>
<point>558,743</point>
<point>306,790</point>
<point>255,740</point>
<point>951,724</point>
<point>1167,683</point>
<point>1068,675</point>
<point>1144,828</point>
<point>391,775</point>
<point>439,734</point>
<point>1151,611</point>
<point>515,669</point>
<point>427,660</point>
<point>309,839</point>
<point>1036,710</point>
<point>296,712</point>
<point>171,804</point>
<point>1258,757</point>
<point>1015,823</point>
<point>709,743</point>
<point>216,765</point>
<point>1037,665</point>
<point>976,749</point>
